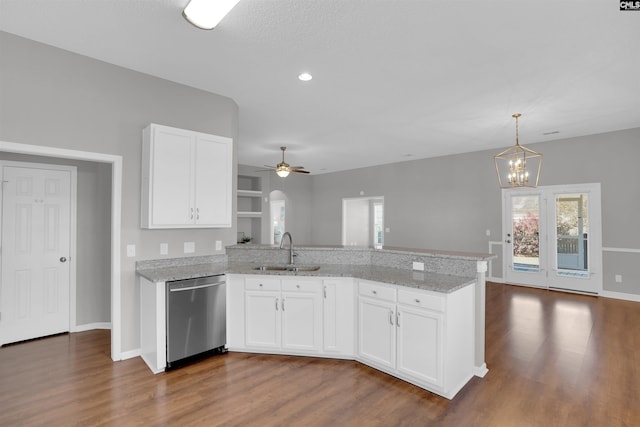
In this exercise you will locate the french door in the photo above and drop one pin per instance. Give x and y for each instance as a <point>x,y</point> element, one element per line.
<point>553,237</point>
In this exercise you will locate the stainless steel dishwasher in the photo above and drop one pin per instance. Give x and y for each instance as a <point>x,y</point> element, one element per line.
<point>196,318</point>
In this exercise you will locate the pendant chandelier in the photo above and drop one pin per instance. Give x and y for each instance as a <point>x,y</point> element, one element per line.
<point>518,166</point>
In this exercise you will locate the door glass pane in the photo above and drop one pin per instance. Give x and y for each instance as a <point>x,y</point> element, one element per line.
<point>378,223</point>
<point>525,217</point>
<point>572,234</point>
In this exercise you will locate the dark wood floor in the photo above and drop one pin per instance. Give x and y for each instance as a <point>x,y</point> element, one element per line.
<point>555,359</point>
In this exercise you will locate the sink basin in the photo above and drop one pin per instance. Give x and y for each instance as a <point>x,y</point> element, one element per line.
<point>289,267</point>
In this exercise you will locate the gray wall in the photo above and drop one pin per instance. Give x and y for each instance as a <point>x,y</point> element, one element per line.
<point>52,97</point>
<point>448,202</point>
<point>93,249</point>
<point>297,188</point>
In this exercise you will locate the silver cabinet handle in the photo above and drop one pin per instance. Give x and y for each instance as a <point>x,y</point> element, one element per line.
<point>63,259</point>
<point>324,291</point>
<point>276,304</point>
<point>391,317</point>
<point>260,285</point>
<point>398,319</point>
<point>282,304</point>
<point>417,301</point>
<point>191,213</point>
<point>197,213</point>
<point>375,292</point>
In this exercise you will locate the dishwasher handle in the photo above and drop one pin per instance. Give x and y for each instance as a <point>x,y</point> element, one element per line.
<point>190,288</point>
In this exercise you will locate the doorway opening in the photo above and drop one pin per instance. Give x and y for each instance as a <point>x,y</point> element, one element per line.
<point>363,222</point>
<point>115,162</point>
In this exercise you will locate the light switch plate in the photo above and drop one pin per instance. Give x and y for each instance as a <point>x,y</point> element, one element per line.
<point>131,250</point>
<point>164,248</point>
<point>189,247</point>
<point>218,245</point>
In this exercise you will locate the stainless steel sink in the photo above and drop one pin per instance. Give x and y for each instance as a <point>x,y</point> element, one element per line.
<point>289,267</point>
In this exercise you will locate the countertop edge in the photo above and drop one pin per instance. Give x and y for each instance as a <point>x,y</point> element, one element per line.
<point>407,278</point>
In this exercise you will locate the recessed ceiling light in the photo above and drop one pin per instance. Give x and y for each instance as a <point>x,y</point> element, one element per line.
<point>305,77</point>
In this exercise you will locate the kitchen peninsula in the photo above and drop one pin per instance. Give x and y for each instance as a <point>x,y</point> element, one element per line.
<point>425,326</point>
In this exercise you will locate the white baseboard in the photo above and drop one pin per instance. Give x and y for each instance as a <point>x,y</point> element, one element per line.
<point>130,354</point>
<point>620,295</point>
<point>91,326</point>
<point>480,371</point>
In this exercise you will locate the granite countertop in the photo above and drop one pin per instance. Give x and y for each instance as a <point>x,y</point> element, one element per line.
<point>413,279</point>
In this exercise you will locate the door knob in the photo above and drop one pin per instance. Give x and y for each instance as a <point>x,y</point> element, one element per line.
<point>63,259</point>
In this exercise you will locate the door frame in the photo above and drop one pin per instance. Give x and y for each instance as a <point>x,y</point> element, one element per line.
<point>595,231</point>
<point>73,206</point>
<point>116,207</point>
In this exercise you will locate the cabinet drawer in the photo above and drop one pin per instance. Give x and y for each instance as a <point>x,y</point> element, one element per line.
<point>421,299</point>
<point>261,283</point>
<point>302,285</point>
<point>374,290</point>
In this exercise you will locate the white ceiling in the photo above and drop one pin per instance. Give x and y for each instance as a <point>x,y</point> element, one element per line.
<point>393,80</point>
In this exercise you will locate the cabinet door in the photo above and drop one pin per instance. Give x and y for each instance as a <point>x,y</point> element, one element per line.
<point>301,321</point>
<point>420,346</point>
<point>377,331</point>
<point>338,318</point>
<point>171,176</point>
<point>213,188</point>
<point>262,319</point>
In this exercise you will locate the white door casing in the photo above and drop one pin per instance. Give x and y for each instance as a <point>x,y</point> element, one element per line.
<point>38,260</point>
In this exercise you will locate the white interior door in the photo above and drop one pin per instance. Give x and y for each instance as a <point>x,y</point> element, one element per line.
<point>553,237</point>
<point>36,224</point>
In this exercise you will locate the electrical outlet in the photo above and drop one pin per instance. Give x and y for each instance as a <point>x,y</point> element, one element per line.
<point>418,266</point>
<point>189,247</point>
<point>131,250</point>
<point>618,278</point>
<point>218,245</point>
<point>164,248</point>
<point>487,232</point>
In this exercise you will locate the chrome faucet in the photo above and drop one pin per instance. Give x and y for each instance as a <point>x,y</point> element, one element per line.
<point>286,233</point>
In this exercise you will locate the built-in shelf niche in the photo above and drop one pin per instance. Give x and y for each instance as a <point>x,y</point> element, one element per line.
<point>249,207</point>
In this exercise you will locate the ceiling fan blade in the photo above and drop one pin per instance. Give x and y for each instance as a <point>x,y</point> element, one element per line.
<point>264,170</point>
<point>298,171</point>
<point>296,167</point>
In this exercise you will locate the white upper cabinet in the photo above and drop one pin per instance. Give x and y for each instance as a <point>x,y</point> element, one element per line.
<point>186,179</point>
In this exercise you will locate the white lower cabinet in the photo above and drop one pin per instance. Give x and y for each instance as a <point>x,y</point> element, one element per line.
<point>419,344</point>
<point>338,320</point>
<point>376,331</point>
<point>425,338</point>
<point>278,314</point>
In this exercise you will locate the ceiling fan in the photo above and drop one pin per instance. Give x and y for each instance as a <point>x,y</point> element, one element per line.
<point>283,169</point>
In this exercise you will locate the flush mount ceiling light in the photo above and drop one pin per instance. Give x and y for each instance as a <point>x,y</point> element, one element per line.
<point>305,77</point>
<point>206,14</point>
<point>518,166</point>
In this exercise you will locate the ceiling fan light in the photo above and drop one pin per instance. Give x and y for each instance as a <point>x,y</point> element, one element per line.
<point>282,173</point>
<point>206,14</point>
